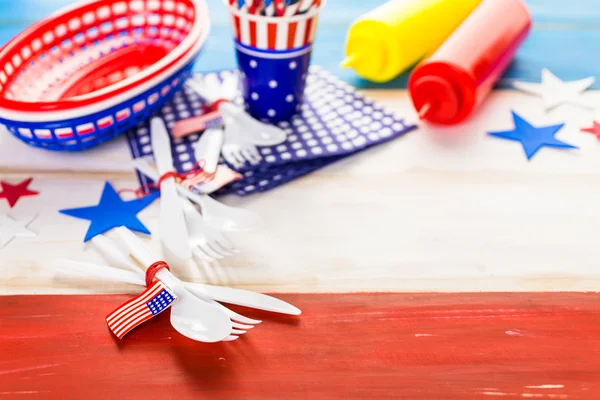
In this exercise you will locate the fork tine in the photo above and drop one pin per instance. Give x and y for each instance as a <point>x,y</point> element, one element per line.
<point>255,160</point>
<point>237,332</point>
<point>228,156</point>
<point>214,246</point>
<point>249,156</point>
<point>241,326</point>
<point>197,251</point>
<point>240,157</point>
<point>230,338</point>
<point>229,250</point>
<point>224,241</point>
<point>255,154</point>
<point>238,317</point>
<point>208,250</point>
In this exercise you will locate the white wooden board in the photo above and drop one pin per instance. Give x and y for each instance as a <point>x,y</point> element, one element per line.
<point>441,209</point>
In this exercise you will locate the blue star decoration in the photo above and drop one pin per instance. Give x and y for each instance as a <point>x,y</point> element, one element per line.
<point>533,138</point>
<point>112,212</point>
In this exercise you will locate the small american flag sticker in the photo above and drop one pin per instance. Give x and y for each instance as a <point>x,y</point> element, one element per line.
<point>140,309</point>
<point>188,126</point>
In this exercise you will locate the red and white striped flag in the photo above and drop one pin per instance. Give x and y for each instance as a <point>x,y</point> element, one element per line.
<point>191,125</point>
<point>140,309</point>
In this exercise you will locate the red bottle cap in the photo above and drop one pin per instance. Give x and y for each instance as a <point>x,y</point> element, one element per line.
<point>436,99</point>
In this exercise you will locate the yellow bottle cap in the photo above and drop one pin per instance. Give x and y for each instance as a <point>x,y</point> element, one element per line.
<point>366,53</point>
<point>350,60</point>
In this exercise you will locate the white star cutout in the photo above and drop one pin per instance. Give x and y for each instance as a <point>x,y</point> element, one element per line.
<point>554,91</point>
<point>11,228</point>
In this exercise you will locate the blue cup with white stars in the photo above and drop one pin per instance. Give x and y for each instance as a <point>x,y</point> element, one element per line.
<point>273,55</point>
<point>273,82</point>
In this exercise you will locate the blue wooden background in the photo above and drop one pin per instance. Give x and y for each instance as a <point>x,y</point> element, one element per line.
<point>565,37</point>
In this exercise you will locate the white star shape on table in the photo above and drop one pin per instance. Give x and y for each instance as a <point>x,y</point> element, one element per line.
<point>11,228</point>
<point>555,91</point>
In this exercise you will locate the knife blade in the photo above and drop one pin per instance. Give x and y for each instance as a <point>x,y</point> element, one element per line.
<point>245,298</point>
<point>173,230</point>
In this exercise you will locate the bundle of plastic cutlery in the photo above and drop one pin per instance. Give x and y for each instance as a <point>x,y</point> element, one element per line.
<point>195,312</point>
<point>231,131</point>
<point>185,230</point>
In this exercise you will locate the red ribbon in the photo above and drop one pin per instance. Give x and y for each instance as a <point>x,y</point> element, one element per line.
<point>215,105</point>
<point>140,192</point>
<point>153,270</point>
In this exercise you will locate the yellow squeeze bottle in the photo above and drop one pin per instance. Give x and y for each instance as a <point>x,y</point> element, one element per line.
<point>393,37</point>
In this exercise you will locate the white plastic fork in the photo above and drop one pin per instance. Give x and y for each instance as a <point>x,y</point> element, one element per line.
<point>205,242</point>
<point>236,151</point>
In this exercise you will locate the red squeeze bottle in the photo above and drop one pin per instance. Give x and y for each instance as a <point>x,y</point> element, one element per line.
<point>449,85</point>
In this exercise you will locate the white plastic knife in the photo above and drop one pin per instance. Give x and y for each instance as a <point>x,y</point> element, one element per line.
<point>244,298</point>
<point>173,231</point>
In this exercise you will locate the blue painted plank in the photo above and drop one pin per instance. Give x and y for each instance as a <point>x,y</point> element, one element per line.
<point>25,12</point>
<point>570,54</point>
<point>574,12</point>
<point>578,12</point>
<point>565,37</point>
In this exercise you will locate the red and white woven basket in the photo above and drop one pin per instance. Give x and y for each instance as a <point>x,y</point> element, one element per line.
<point>90,67</point>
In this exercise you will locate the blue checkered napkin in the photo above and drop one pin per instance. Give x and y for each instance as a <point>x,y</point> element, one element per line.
<point>334,122</point>
<point>270,177</point>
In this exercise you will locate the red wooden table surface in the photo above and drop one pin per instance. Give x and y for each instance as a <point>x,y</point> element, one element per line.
<point>414,346</point>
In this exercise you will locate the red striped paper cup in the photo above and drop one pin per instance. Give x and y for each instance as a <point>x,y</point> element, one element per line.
<point>274,33</point>
<point>273,56</point>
